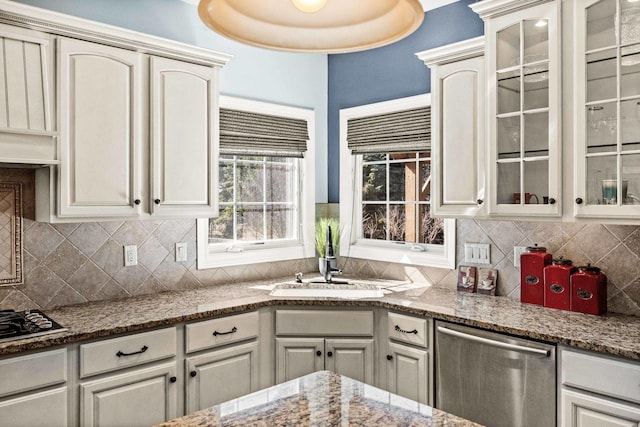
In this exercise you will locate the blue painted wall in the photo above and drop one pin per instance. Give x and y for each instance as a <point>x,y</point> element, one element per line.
<point>390,72</point>
<point>285,78</point>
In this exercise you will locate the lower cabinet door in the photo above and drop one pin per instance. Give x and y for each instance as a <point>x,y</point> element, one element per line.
<point>407,372</point>
<point>585,410</point>
<point>143,397</point>
<point>296,357</point>
<point>352,358</point>
<point>43,409</point>
<point>221,375</point>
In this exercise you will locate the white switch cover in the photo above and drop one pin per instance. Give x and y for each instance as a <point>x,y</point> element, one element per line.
<point>181,252</point>
<point>130,255</point>
<point>477,253</point>
<point>517,251</point>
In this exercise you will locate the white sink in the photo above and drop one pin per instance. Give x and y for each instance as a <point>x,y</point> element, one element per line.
<point>327,291</point>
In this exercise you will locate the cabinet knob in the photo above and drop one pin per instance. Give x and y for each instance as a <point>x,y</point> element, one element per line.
<point>389,357</point>
<point>552,201</point>
<point>173,379</point>
<point>136,201</point>
<point>193,373</point>
<point>579,200</point>
<point>330,353</point>
<point>156,201</point>
<point>480,201</point>
<point>318,353</point>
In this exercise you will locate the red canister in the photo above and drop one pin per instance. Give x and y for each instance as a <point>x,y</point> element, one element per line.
<point>557,280</point>
<point>589,290</point>
<point>532,263</point>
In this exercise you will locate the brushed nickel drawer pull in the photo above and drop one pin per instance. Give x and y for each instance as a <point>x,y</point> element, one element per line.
<point>142,350</point>
<point>399,329</point>
<point>232,331</point>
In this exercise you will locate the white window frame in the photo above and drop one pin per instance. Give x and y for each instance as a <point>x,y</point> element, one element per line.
<point>215,255</point>
<point>351,206</point>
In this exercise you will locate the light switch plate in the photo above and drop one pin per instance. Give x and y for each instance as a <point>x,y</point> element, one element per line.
<point>477,253</point>
<point>181,252</point>
<point>130,255</point>
<point>517,251</point>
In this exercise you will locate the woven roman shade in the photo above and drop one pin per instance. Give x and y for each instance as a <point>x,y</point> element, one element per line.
<point>253,134</point>
<point>400,131</point>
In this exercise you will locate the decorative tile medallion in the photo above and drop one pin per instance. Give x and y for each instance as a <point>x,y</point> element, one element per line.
<point>11,233</point>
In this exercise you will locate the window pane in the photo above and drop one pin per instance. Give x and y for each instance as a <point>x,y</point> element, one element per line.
<point>279,222</point>
<point>221,228</point>
<point>250,182</point>
<point>425,181</point>
<point>397,225</point>
<point>373,221</point>
<point>250,225</point>
<point>402,181</point>
<point>225,177</point>
<point>376,157</point>
<point>374,182</point>
<point>431,229</point>
<point>278,182</point>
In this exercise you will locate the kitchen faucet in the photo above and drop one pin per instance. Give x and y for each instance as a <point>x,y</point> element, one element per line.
<point>329,264</point>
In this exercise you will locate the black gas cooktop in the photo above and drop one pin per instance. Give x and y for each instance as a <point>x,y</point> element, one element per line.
<point>26,324</point>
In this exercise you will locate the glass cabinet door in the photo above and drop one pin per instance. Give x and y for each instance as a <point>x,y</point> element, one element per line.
<point>608,135</point>
<point>524,110</point>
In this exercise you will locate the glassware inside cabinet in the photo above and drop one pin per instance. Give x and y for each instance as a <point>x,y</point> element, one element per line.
<point>612,103</point>
<point>522,107</point>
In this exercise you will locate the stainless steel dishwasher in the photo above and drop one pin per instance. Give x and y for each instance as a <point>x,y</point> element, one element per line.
<point>494,379</point>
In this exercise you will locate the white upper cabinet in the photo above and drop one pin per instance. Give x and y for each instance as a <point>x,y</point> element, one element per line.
<point>184,138</point>
<point>523,106</point>
<point>100,130</point>
<point>457,118</point>
<point>607,108</point>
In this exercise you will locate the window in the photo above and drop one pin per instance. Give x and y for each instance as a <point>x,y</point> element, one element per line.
<point>385,180</point>
<point>266,190</point>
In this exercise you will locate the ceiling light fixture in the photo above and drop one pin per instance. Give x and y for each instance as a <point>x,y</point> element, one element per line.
<point>322,26</point>
<point>309,6</point>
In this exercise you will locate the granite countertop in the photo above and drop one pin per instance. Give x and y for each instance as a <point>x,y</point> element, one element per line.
<point>320,399</point>
<point>610,334</point>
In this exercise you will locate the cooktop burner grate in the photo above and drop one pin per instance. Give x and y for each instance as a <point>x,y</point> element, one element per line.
<point>26,324</point>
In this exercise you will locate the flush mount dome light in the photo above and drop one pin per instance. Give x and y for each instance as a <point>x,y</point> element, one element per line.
<point>323,26</point>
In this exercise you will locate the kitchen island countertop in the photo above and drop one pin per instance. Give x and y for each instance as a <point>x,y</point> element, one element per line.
<point>613,334</point>
<point>322,398</point>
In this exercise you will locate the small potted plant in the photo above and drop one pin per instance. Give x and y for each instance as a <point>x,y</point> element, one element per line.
<point>322,225</point>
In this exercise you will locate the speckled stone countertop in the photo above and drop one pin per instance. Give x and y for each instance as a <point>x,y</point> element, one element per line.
<point>610,334</point>
<point>320,399</point>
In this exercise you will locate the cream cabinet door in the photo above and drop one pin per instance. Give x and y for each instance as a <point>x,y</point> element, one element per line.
<point>296,357</point>
<point>352,358</point>
<point>100,130</point>
<point>458,89</point>
<point>408,373</point>
<point>43,409</point>
<point>586,410</point>
<point>184,139</point>
<point>221,375</point>
<point>143,397</point>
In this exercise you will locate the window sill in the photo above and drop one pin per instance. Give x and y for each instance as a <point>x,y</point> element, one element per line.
<point>404,255</point>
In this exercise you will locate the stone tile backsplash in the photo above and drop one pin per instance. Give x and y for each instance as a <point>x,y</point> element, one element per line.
<point>74,263</point>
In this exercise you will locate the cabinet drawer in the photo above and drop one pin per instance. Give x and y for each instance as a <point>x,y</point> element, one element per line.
<point>33,371</point>
<point>225,330</point>
<point>123,352</point>
<point>412,330</point>
<point>324,322</point>
<point>612,377</point>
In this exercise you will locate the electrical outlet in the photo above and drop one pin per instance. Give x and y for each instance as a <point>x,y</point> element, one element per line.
<point>181,252</point>
<point>477,253</point>
<point>517,251</point>
<point>130,255</point>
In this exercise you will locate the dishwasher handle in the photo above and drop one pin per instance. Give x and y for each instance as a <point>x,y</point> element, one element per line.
<point>494,343</point>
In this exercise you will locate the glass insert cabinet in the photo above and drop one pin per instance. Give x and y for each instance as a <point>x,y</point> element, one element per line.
<point>607,59</point>
<point>524,108</point>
